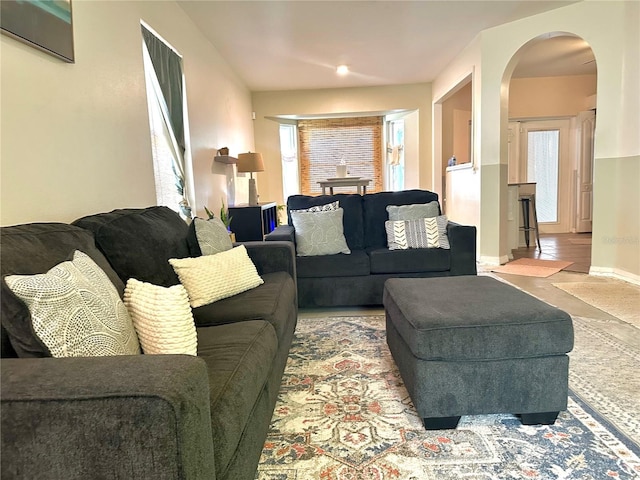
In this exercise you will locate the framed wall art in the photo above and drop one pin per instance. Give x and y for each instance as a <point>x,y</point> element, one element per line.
<point>43,24</point>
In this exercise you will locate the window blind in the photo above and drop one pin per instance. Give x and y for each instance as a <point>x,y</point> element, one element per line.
<point>325,142</point>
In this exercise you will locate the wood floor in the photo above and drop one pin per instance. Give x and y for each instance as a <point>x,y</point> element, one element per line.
<point>571,247</point>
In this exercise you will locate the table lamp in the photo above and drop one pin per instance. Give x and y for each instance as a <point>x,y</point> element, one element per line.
<point>251,162</point>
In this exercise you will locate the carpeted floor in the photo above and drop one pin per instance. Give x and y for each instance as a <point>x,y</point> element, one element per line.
<point>343,413</point>
<point>532,267</point>
<point>617,298</point>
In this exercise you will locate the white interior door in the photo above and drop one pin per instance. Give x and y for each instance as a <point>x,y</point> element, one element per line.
<point>586,122</point>
<point>545,154</point>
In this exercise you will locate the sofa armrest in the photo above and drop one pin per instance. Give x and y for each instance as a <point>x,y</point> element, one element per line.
<point>143,417</point>
<point>462,239</point>
<point>283,233</point>
<point>269,257</point>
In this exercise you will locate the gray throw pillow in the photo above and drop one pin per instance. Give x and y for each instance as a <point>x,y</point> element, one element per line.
<point>212,236</point>
<point>422,233</point>
<point>414,211</point>
<point>319,233</point>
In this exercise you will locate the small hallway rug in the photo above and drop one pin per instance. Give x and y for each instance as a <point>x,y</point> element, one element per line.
<point>344,414</point>
<point>532,267</point>
<point>616,297</point>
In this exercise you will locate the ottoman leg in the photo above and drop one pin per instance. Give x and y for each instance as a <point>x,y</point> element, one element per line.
<point>440,423</point>
<point>542,418</point>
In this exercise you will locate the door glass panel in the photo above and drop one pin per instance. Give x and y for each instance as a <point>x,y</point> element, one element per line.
<point>395,155</point>
<point>542,168</point>
<point>289,156</point>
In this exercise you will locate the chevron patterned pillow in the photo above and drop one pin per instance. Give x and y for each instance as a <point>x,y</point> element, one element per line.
<point>420,233</point>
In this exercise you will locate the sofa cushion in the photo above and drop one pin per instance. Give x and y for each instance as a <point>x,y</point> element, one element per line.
<point>319,233</point>
<point>415,260</point>
<point>210,278</point>
<point>35,248</point>
<point>76,311</point>
<point>239,357</point>
<point>162,318</point>
<point>352,218</point>
<point>357,263</point>
<point>413,211</point>
<point>270,301</point>
<point>375,212</point>
<point>139,242</point>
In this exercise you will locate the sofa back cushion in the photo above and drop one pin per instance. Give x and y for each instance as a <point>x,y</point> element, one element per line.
<point>375,212</point>
<point>352,213</point>
<point>31,249</point>
<point>139,242</point>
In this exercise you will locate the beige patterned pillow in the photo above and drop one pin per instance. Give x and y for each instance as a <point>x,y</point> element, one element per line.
<point>162,318</point>
<point>319,233</point>
<point>212,236</point>
<point>76,311</point>
<point>415,211</point>
<point>210,278</point>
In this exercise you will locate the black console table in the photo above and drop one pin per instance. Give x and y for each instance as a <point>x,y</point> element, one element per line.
<point>253,222</point>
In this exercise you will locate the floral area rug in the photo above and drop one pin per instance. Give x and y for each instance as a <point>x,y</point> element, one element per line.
<point>344,414</point>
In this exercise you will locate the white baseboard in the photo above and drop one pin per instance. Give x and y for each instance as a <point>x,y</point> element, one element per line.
<point>493,261</point>
<point>615,273</point>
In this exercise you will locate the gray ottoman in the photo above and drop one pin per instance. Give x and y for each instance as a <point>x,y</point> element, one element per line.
<point>470,345</point>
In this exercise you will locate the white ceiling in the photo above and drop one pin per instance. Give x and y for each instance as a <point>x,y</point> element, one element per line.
<point>288,45</point>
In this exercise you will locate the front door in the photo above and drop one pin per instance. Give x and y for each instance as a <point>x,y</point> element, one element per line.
<point>545,155</point>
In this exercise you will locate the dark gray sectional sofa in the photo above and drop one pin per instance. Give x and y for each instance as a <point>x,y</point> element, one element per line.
<point>143,416</point>
<point>358,278</point>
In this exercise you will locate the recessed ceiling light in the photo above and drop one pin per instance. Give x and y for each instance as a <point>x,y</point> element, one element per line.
<point>342,70</point>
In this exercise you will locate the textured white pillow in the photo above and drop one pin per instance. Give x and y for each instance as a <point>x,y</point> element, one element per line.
<point>162,318</point>
<point>319,233</point>
<point>212,236</point>
<point>76,311</point>
<point>213,277</point>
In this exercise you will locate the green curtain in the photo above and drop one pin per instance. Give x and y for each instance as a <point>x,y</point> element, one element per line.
<point>168,67</point>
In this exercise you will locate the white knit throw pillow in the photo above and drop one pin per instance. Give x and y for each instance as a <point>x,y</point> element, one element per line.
<point>210,278</point>
<point>162,318</point>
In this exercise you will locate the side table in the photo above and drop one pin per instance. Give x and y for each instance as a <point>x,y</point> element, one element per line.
<point>253,222</point>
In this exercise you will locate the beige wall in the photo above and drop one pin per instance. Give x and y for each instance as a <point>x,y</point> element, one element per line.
<point>550,96</point>
<point>492,57</point>
<point>456,112</point>
<point>337,101</point>
<point>618,235</point>
<point>75,137</point>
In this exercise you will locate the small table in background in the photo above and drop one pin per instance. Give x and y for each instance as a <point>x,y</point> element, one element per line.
<point>360,183</point>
